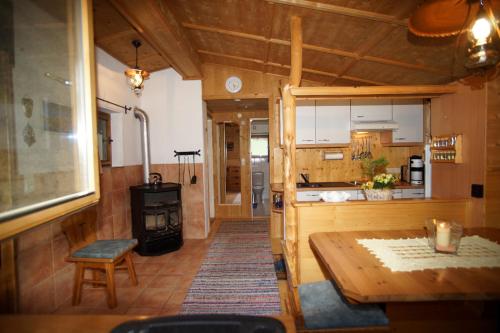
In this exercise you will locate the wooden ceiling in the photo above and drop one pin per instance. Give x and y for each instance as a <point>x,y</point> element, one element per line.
<point>240,105</point>
<point>346,42</point>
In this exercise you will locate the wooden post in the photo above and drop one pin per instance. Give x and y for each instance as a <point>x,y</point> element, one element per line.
<point>289,173</point>
<point>289,133</point>
<point>296,51</point>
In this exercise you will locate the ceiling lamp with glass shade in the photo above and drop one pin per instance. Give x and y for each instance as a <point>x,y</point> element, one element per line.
<point>482,52</point>
<point>136,76</point>
<point>445,18</point>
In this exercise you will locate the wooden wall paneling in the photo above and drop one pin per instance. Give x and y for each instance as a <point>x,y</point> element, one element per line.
<point>157,24</point>
<point>311,160</point>
<point>492,183</point>
<point>463,113</point>
<point>396,215</point>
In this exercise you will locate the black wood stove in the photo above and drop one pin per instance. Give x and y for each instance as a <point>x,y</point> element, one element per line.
<point>157,217</point>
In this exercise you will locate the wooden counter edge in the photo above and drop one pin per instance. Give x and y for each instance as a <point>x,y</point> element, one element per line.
<point>381,202</point>
<point>85,323</point>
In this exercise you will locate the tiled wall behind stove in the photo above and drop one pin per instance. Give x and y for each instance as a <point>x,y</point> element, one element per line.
<point>45,280</point>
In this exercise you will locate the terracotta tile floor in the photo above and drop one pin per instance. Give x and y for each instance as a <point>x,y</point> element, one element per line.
<point>163,283</point>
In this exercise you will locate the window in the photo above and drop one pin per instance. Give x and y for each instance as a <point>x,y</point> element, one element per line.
<point>47,132</point>
<point>104,138</point>
<point>259,146</point>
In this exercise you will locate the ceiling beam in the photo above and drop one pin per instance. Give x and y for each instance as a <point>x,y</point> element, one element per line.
<point>277,65</point>
<point>296,51</point>
<point>158,26</point>
<point>421,90</point>
<point>334,9</point>
<point>317,48</point>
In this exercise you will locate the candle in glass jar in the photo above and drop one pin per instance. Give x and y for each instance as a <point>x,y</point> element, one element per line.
<point>443,232</point>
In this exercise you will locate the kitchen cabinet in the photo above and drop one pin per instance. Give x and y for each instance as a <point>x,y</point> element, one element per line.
<point>314,195</point>
<point>333,122</point>
<point>416,193</point>
<point>321,123</point>
<point>306,123</point>
<point>397,193</point>
<point>371,110</point>
<point>409,114</point>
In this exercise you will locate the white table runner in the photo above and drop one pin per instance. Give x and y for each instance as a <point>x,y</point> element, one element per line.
<point>414,254</point>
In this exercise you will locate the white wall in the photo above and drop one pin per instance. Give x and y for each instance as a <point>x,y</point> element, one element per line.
<point>125,129</point>
<point>175,111</point>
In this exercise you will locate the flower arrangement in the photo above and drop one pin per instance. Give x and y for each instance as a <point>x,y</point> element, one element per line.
<point>380,182</point>
<point>380,187</point>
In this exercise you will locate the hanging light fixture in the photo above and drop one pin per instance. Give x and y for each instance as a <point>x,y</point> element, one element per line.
<point>482,53</point>
<point>136,76</point>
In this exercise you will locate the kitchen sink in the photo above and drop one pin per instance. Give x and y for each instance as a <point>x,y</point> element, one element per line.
<point>307,185</point>
<point>325,184</point>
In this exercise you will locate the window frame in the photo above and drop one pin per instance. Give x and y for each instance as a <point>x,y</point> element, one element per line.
<point>10,228</point>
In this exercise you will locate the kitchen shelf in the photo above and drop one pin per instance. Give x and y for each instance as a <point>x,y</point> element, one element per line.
<point>277,210</point>
<point>447,149</point>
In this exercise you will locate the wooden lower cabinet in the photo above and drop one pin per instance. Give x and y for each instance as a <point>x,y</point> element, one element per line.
<point>233,179</point>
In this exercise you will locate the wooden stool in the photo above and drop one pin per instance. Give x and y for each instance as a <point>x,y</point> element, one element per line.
<point>98,255</point>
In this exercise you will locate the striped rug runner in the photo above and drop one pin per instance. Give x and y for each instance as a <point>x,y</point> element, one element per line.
<point>237,276</point>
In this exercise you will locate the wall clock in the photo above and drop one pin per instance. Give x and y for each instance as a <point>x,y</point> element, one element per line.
<point>233,84</point>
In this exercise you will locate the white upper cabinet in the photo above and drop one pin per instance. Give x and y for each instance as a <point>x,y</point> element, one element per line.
<point>333,123</point>
<point>409,114</point>
<point>371,110</point>
<point>306,123</point>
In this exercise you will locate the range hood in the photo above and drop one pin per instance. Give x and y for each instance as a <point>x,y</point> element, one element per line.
<point>374,125</point>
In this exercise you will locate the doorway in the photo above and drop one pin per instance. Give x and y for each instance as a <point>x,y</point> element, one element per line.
<point>232,121</point>
<point>259,150</point>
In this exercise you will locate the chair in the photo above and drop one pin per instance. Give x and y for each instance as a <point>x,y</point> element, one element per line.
<point>98,255</point>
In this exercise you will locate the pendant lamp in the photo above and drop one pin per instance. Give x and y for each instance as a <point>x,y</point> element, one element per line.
<point>136,76</point>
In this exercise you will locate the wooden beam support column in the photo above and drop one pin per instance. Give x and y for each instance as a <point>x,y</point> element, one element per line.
<point>289,181</point>
<point>289,163</point>
<point>296,51</point>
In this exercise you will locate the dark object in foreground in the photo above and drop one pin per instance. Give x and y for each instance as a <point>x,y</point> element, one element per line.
<point>203,323</point>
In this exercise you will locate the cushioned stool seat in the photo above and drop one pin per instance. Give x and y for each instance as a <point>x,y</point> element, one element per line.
<point>109,249</point>
<point>323,307</point>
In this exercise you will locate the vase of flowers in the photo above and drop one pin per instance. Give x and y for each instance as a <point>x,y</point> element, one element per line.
<point>380,188</point>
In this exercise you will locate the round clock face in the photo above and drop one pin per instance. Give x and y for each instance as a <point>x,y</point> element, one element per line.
<point>233,84</point>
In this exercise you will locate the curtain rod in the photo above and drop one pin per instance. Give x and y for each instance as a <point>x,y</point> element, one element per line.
<point>124,107</point>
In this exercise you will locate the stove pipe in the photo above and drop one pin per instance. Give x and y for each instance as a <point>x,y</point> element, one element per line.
<point>143,118</point>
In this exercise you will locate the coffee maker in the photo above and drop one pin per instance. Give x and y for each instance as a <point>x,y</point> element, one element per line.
<point>416,170</point>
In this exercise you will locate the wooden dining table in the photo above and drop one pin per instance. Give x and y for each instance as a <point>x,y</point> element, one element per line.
<point>362,278</point>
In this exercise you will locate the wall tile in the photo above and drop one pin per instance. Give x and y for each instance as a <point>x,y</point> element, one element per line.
<point>35,237</point>
<point>118,178</point>
<point>63,285</point>
<point>34,266</point>
<point>106,180</point>
<point>60,250</point>
<point>105,228</point>
<point>39,299</point>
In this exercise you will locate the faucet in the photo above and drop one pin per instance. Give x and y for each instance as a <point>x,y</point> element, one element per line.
<point>305,177</point>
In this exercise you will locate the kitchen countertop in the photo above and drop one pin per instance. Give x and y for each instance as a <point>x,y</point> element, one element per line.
<point>278,187</point>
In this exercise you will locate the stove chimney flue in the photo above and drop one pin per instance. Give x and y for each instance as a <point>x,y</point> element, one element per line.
<point>143,118</point>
